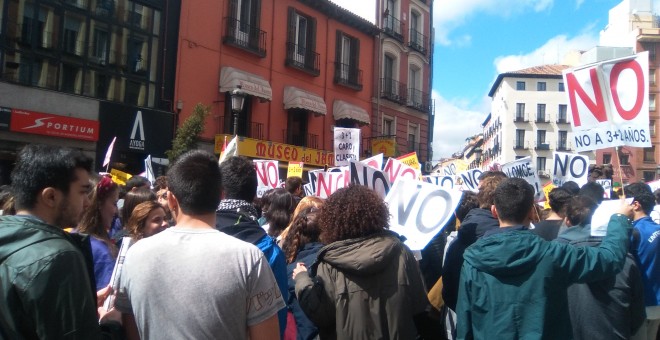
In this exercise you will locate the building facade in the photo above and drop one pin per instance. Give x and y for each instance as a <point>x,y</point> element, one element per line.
<point>528,118</point>
<point>403,73</point>
<point>72,70</point>
<point>305,67</point>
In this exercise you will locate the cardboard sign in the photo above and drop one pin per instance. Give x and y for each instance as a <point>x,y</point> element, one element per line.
<point>375,162</point>
<point>309,189</point>
<point>601,217</point>
<point>523,168</point>
<point>268,175</point>
<point>420,210</point>
<point>470,179</point>
<point>655,185</point>
<point>372,178</point>
<point>347,145</point>
<point>607,186</point>
<point>546,192</point>
<point>295,169</point>
<point>329,182</point>
<point>570,167</point>
<point>446,182</point>
<point>609,103</point>
<point>453,167</point>
<point>396,170</point>
<point>411,160</point>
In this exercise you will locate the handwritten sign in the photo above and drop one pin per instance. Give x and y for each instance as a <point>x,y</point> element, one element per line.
<point>268,175</point>
<point>607,186</point>
<point>470,179</point>
<point>370,177</point>
<point>411,160</point>
<point>570,167</point>
<point>295,169</point>
<point>523,168</point>
<point>347,145</point>
<point>609,103</point>
<point>420,210</point>
<point>546,192</point>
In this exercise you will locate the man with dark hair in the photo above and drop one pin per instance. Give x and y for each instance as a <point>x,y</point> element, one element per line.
<point>236,216</point>
<point>548,229</point>
<point>294,186</point>
<point>46,286</point>
<point>594,191</point>
<point>572,187</point>
<point>646,249</point>
<point>513,283</point>
<point>612,308</point>
<point>476,223</point>
<point>191,281</point>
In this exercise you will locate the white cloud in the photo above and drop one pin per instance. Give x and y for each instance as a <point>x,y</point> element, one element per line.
<point>454,122</point>
<point>365,9</point>
<point>552,52</point>
<point>450,14</point>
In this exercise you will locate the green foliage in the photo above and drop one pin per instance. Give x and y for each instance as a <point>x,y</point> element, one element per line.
<point>188,134</point>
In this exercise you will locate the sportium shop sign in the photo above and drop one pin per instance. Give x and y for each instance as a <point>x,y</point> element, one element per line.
<point>38,123</point>
<point>262,149</point>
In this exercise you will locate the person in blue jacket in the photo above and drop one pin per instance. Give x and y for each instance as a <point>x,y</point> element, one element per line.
<point>236,216</point>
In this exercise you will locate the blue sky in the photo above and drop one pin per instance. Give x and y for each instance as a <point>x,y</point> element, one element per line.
<point>475,40</point>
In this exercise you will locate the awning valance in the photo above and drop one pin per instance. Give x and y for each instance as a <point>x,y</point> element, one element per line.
<point>252,84</point>
<point>301,99</point>
<point>342,109</point>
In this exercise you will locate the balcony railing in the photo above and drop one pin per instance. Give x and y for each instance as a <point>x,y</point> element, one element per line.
<point>418,41</point>
<point>244,36</point>
<point>542,146</point>
<point>563,146</point>
<point>419,100</point>
<point>255,130</point>
<point>542,119</point>
<point>294,138</point>
<point>562,120</point>
<point>393,90</point>
<point>393,27</point>
<point>519,145</point>
<point>348,75</point>
<point>520,118</point>
<point>302,58</point>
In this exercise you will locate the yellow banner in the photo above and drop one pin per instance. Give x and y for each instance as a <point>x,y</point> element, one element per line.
<point>411,160</point>
<point>386,146</point>
<point>120,177</point>
<point>256,148</point>
<point>295,169</point>
<point>546,192</point>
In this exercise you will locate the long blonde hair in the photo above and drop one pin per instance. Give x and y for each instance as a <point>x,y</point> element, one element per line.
<point>306,202</point>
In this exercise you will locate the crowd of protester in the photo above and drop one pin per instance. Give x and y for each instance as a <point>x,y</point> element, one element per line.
<point>207,259</point>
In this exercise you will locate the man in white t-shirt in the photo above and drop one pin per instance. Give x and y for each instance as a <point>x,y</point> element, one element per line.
<point>192,281</point>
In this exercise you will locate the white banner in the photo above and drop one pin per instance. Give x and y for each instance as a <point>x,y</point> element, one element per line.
<point>570,167</point>
<point>523,168</point>
<point>470,179</point>
<point>268,175</point>
<point>375,162</point>
<point>609,103</point>
<point>395,169</point>
<point>370,177</point>
<point>446,182</point>
<point>420,210</point>
<point>328,182</point>
<point>347,145</point>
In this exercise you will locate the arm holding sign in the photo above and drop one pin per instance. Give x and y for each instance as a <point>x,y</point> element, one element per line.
<point>315,297</point>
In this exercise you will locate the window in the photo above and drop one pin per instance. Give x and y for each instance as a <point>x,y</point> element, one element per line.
<point>540,113</point>
<point>70,79</point>
<point>100,46</point>
<point>520,112</point>
<point>624,159</point>
<point>297,128</point>
<point>414,84</point>
<point>242,28</point>
<point>652,102</point>
<point>652,77</point>
<point>540,138</point>
<point>561,87</point>
<point>652,127</point>
<point>301,42</point>
<point>562,144</point>
<point>417,39</point>
<point>607,158</point>
<point>520,86</point>
<point>540,163</point>
<point>388,126</point>
<point>561,115</point>
<point>540,86</point>
<point>649,176</point>
<point>32,30</point>
<point>413,139</point>
<point>137,54</point>
<point>346,61</point>
<point>520,139</point>
<point>71,31</point>
<point>649,155</point>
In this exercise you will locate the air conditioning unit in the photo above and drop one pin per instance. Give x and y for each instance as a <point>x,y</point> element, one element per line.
<point>543,173</point>
<point>428,166</point>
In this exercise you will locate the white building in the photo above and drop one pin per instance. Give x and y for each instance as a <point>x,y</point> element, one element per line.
<point>528,118</point>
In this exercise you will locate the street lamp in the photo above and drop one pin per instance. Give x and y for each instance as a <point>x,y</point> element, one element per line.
<point>237,101</point>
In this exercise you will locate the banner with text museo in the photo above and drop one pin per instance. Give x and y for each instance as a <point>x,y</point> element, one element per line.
<point>609,103</point>
<point>523,168</point>
<point>570,167</point>
<point>268,175</point>
<point>420,210</point>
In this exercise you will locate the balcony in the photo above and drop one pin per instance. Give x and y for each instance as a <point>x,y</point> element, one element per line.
<point>519,145</point>
<point>303,59</point>
<point>393,90</point>
<point>418,41</point>
<point>520,118</point>
<point>563,146</point>
<point>542,146</point>
<point>300,139</point>
<point>254,130</point>
<point>418,100</point>
<point>393,27</point>
<point>244,36</point>
<point>542,119</point>
<point>348,75</point>
<point>562,120</point>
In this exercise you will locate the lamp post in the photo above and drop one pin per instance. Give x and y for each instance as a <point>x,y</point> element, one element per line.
<point>237,101</point>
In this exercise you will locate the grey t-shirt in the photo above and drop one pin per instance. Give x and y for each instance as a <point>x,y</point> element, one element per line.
<point>196,284</point>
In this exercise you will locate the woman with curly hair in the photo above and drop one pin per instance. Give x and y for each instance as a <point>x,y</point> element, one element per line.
<point>148,219</point>
<point>305,203</point>
<point>366,283</point>
<point>96,222</point>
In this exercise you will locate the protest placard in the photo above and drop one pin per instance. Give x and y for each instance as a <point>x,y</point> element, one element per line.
<point>268,175</point>
<point>470,179</point>
<point>395,170</point>
<point>446,182</point>
<point>309,189</point>
<point>295,169</point>
<point>347,145</point>
<point>420,210</point>
<point>370,177</point>
<point>375,162</point>
<point>546,192</point>
<point>609,103</point>
<point>655,185</point>
<point>570,167</point>
<point>523,168</point>
<point>411,160</point>
<point>607,186</point>
<point>329,182</point>
<point>601,216</point>
<point>120,177</point>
